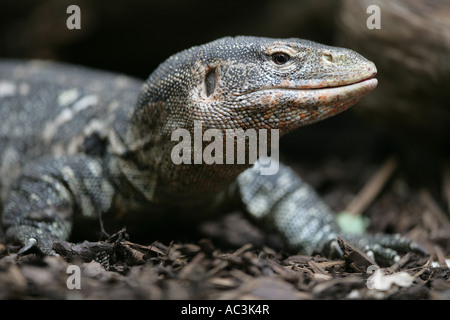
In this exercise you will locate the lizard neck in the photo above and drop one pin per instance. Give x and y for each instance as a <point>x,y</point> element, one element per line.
<point>152,169</point>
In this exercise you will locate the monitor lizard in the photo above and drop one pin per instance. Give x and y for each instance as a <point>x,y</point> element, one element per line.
<point>76,142</point>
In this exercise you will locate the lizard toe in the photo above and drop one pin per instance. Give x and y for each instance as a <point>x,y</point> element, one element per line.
<point>382,255</point>
<point>30,244</point>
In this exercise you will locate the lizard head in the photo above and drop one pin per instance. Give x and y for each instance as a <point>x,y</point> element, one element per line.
<point>251,82</point>
<point>237,83</point>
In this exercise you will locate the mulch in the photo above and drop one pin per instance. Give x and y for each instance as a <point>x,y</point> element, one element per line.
<point>121,269</point>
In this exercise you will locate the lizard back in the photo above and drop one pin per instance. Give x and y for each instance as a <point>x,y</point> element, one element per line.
<point>53,109</point>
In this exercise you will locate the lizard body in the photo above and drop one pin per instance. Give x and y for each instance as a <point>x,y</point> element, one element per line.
<point>78,142</point>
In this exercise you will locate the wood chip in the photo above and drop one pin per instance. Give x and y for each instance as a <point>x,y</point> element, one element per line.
<point>355,258</point>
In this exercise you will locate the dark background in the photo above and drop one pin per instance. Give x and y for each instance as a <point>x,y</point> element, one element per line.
<point>135,36</point>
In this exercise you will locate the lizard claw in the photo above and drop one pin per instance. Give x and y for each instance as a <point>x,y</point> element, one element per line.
<point>333,250</point>
<point>385,249</point>
<point>31,243</point>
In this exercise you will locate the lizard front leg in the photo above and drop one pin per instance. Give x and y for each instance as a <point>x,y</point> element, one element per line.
<point>295,210</point>
<point>41,204</point>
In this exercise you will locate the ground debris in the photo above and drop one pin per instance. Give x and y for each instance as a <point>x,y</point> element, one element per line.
<point>122,269</point>
<point>110,252</point>
<point>355,258</point>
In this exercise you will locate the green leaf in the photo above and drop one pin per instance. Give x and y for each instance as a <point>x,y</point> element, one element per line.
<point>354,224</point>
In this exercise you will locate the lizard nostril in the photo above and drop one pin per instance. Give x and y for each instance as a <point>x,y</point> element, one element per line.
<point>328,57</point>
<point>210,81</point>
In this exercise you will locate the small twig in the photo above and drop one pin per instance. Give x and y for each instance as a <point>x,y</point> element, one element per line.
<point>317,269</point>
<point>332,263</point>
<point>187,269</point>
<point>166,254</point>
<point>224,263</point>
<point>242,249</point>
<point>440,256</point>
<point>373,187</point>
<point>433,207</point>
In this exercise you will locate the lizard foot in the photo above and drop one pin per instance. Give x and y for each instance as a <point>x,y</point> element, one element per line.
<point>32,239</point>
<point>384,249</point>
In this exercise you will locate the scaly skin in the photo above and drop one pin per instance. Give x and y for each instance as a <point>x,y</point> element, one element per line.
<point>76,142</point>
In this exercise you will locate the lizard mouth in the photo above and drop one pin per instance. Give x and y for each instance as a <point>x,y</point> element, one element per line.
<point>289,107</point>
<point>370,82</point>
<point>320,85</point>
<point>322,94</point>
<point>366,85</point>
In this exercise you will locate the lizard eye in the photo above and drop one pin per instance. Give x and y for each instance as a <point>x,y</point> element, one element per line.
<point>280,58</point>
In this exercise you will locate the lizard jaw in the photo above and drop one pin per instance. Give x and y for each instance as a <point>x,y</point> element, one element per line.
<point>327,102</point>
<point>302,106</point>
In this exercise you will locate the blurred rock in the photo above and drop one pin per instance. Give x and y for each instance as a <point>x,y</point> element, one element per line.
<point>412,54</point>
